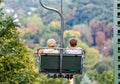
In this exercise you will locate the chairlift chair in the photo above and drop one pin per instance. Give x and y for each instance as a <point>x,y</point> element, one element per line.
<point>71,63</point>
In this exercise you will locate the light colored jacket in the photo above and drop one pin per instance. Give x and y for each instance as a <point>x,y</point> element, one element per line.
<point>50,51</point>
<point>74,50</point>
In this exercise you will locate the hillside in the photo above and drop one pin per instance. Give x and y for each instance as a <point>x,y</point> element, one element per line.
<point>75,11</point>
<point>92,18</point>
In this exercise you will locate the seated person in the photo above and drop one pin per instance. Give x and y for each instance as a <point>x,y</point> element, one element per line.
<point>51,43</point>
<point>73,49</point>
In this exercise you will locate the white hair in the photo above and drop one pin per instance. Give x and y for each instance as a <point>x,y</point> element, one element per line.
<point>51,41</point>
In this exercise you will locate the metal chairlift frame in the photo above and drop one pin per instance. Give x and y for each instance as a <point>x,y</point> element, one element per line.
<point>62,65</point>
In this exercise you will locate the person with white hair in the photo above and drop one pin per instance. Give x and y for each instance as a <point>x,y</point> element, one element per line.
<point>51,43</point>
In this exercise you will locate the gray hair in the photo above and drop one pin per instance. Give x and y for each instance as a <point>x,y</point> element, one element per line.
<point>51,41</point>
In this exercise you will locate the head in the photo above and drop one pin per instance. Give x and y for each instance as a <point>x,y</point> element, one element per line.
<point>73,42</point>
<point>51,43</point>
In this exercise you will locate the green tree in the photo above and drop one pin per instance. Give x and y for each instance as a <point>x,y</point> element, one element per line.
<point>86,80</point>
<point>45,80</point>
<point>51,30</point>
<point>1,1</point>
<point>16,63</point>
<point>105,65</point>
<point>101,69</point>
<point>106,77</point>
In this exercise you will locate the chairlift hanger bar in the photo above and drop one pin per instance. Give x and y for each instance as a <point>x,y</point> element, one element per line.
<point>61,16</point>
<point>61,7</point>
<point>62,29</point>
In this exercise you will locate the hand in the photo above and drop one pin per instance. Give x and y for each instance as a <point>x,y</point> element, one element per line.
<point>39,52</point>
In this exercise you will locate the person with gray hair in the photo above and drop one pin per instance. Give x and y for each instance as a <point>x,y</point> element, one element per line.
<point>51,43</point>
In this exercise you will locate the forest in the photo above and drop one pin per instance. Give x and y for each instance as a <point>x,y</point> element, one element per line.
<point>25,26</point>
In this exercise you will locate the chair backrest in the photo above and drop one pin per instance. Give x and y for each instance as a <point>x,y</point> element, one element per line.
<point>71,63</point>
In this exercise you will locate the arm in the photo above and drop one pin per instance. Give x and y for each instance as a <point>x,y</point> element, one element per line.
<point>39,51</point>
